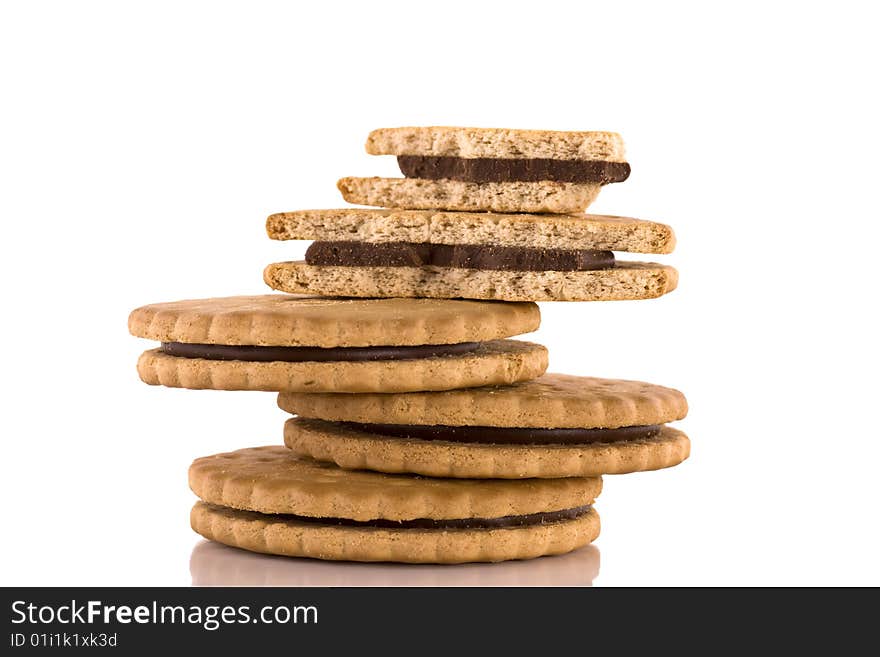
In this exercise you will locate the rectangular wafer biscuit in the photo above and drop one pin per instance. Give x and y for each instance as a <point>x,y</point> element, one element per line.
<point>600,232</point>
<point>496,142</point>
<point>444,194</point>
<point>626,281</point>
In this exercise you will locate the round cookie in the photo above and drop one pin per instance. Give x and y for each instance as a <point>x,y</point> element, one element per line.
<point>554,426</point>
<point>302,321</point>
<point>361,450</point>
<point>266,499</point>
<point>551,401</point>
<point>282,536</point>
<point>287,343</point>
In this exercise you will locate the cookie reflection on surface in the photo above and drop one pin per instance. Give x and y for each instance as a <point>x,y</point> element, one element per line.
<point>213,564</point>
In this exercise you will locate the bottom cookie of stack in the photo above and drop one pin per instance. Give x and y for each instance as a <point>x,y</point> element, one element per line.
<point>265,499</point>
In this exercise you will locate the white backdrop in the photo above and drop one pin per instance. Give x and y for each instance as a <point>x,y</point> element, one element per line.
<point>143,144</point>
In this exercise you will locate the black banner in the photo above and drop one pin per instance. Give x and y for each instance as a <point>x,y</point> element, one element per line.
<point>389,620</point>
<point>234,618</point>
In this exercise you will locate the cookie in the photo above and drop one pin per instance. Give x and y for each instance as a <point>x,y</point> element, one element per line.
<point>496,143</point>
<point>492,155</point>
<point>490,169</point>
<point>625,281</point>
<point>288,343</point>
<point>420,194</point>
<point>265,499</point>
<point>554,426</point>
<point>528,231</point>
<point>507,257</point>
<point>356,449</point>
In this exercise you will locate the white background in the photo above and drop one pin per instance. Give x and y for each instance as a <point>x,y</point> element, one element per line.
<point>143,144</point>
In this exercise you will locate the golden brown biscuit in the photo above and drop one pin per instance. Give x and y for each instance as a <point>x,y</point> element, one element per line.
<point>490,362</point>
<point>280,342</point>
<point>354,449</point>
<point>288,537</point>
<point>267,500</point>
<point>551,401</point>
<point>554,426</point>
<point>272,480</point>
<point>308,321</point>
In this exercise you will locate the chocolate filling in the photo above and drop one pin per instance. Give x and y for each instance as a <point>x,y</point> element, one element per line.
<point>461,256</point>
<point>313,354</point>
<point>508,435</point>
<point>488,169</point>
<point>454,523</point>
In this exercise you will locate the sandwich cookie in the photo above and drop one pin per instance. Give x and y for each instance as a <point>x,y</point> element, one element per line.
<point>491,169</point>
<point>286,343</point>
<point>265,499</point>
<point>554,426</point>
<point>508,257</point>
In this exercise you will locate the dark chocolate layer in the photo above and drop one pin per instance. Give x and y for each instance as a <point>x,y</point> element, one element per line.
<point>462,256</point>
<point>508,435</point>
<point>487,169</point>
<point>455,523</point>
<point>313,354</point>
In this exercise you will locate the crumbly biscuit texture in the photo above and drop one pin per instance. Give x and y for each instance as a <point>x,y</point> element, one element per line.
<point>357,450</point>
<point>445,194</point>
<point>296,321</point>
<point>625,281</point>
<point>546,231</point>
<point>289,537</point>
<point>550,401</point>
<point>273,480</point>
<point>492,363</point>
<point>496,142</point>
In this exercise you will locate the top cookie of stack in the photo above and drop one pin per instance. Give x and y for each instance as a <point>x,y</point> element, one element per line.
<point>491,169</point>
<point>481,213</point>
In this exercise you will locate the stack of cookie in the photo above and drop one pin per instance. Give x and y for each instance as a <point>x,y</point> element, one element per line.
<point>422,433</point>
<point>470,219</point>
